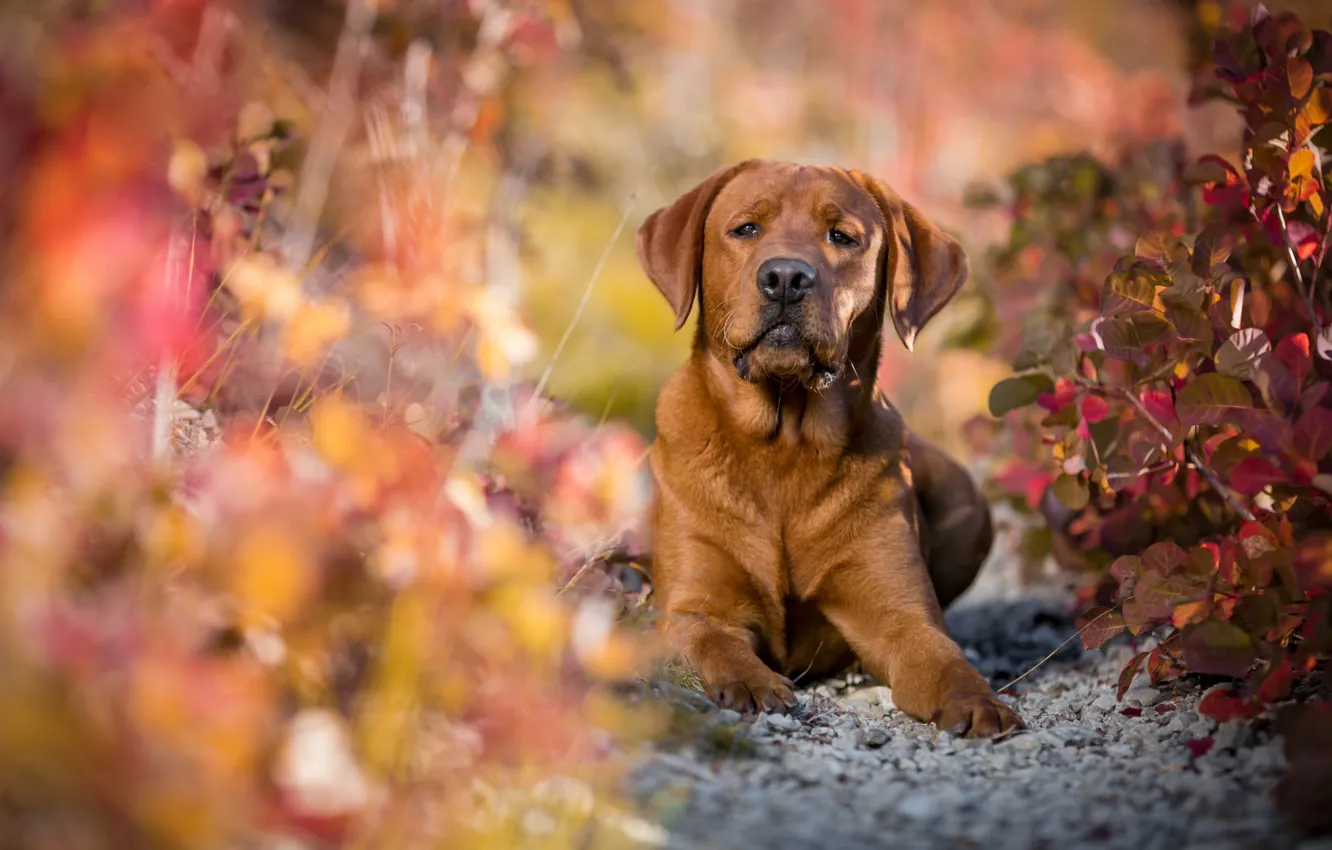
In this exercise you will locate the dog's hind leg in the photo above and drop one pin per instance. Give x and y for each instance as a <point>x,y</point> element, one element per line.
<point>955,521</point>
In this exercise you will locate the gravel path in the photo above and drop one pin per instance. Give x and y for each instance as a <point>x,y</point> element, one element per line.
<point>847,770</point>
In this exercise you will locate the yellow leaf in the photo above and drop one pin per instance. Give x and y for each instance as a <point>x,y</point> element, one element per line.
<point>314,327</point>
<point>535,618</point>
<point>186,171</point>
<point>265,289</point>
<point>339,432</point>
<point>1188,612</point>
<point>1301,164</point>
<point>272,575</point>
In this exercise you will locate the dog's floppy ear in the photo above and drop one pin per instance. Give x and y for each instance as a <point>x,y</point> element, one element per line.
<point>925,266</point>
<point>670,242</point>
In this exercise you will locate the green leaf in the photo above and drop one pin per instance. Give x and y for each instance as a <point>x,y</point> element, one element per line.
<point>1071,491</point>
<point>1012,393</point>
<point>1127,291</point>
<point>1028,359</point>
<point>1212,399</point>
<point>1243,354</point>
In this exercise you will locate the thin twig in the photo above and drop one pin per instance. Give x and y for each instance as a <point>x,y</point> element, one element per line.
<point>1231,499</point>
<point>1055,651</point>
<point>1305,292</point>
<point>582,302</point>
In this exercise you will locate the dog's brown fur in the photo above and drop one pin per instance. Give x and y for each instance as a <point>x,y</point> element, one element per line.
<point>797,524</point>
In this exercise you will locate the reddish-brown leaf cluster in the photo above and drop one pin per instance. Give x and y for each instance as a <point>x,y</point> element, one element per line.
<point>1179,369</point>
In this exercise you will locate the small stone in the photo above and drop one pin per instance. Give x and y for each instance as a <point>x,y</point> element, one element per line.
<point>210,420</point>
<point>919,806</point>
<point>183,412</point>
<point>728,716</point>
<point>873,737</point>
<point>1105,702</point>
<point>781,722</point>
<point>1028,743</point>
<point>871,697</point>
<point>1141,696</point>
<point>1231,735</point>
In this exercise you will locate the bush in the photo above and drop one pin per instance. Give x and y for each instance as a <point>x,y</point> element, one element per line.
<point>1171,415</point>
<point>263,578</point>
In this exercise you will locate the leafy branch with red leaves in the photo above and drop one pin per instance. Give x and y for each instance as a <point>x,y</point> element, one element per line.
<point>1170,415</point>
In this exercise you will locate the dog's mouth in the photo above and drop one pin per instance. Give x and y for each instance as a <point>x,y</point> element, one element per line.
<point>795,354</point>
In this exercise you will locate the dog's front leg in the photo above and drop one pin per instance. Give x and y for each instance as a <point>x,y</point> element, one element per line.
<point>882,602</point>
<point>712,616</point>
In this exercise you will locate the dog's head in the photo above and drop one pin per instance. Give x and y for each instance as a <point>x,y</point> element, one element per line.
<point>795,265</point>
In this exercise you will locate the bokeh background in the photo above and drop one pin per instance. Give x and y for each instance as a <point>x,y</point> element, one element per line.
<point>933,97</point>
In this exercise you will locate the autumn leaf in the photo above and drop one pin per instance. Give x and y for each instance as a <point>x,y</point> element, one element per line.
<point>1312,437</point>
<point>1162,250</point>
<point>1098,626</point>
<point>1127,675</point>
<point>1189,613</point>
<point>1312,560</point>
<point>1243,354</point>
<point>1300,75</point>
<point>1254,474</point>
<point>1221,705</point>
<point>1212,399</point>
<point>1217,647</point>
<point>1071,491</point>
<point>1293,353</point>
<point>1127,291</point>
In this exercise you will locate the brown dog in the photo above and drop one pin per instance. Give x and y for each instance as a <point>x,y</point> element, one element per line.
<point>797,525</point>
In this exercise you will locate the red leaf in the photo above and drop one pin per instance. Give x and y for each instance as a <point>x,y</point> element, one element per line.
<point>1200,746</point>
<point>1312,560</point>
<point>1131,712</point>
<point>1293,352</point>
<point>1094,409</point>
<point>1126,675</point>
<point>1165,707</point>
<point>1162,558</point>
<point>1162,667</point>
<point>1098,626</point>
<point>1063,394</point>
<point>1252,474</point>
<point>1160,405</point>
<point>1222,706</point>
<point>1303,237</point>
<point>1313,434</point>
<point>1277,685</point>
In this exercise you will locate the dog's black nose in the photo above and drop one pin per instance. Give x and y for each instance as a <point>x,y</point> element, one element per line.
<point>786,280</point>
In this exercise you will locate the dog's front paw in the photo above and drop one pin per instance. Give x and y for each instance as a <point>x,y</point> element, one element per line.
<point>976,715</point>
<point>760,690</point>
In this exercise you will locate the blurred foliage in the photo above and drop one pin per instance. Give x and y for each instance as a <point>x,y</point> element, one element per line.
<point>288,555</point>
<point>1171,325</point>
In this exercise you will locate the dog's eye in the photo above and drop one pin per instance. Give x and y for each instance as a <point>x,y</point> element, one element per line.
<point>837,237</point>
<point>746,230</point>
